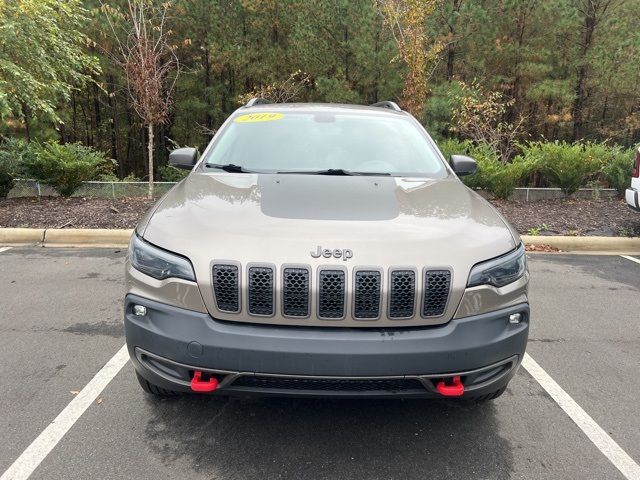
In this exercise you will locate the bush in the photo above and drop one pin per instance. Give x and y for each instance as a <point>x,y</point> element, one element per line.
<point>498,178</point>
<point>6,178</point>
<point>492,175</point>
<point>167,173</point>
<point>65,167</point>
<point>617,168</point>
<point>568,166</point>
<point>453,146</point>
<point>12,154</point>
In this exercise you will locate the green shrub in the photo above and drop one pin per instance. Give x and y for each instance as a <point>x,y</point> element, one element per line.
<point>492,175</point>
<point>167,173</point>
<point>65,167</point>
<point>488,167</point>
<point>568,166</point>
<point>453,146</point>
<point>617,168</point>
<point>6,178</point>
<point>12,154</point>
<point>498,178</point>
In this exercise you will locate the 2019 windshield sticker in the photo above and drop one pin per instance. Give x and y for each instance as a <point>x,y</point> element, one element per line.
<point>259,117</point>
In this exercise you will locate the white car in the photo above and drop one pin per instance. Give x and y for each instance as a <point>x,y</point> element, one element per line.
<point>631,194</point>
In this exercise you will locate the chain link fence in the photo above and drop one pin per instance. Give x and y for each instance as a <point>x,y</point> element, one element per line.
<point>33,188</point>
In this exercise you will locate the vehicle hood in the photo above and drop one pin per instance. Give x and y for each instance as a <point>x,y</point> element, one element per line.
<point>281,218</point>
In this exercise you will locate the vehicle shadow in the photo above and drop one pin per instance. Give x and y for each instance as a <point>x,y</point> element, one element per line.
<point>320,438</point>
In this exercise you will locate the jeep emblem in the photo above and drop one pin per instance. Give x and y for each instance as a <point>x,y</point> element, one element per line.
<point>328,253</point>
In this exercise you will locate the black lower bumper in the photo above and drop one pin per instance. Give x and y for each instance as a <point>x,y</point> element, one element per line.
<point>168,344</point>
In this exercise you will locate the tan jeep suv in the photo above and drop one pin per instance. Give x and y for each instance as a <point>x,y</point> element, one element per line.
<point>325,250</point>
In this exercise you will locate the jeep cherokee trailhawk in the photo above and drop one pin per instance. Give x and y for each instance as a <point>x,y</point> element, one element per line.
<point>327,250</point>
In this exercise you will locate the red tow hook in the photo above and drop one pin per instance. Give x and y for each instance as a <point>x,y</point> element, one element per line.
<point>454,390</point>
<point>197,385</point>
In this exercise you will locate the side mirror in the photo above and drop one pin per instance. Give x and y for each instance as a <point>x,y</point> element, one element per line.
<point>184,158</point>
<point>463,165</point>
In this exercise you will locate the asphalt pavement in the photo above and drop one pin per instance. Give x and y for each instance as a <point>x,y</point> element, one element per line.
<point>60,318</point>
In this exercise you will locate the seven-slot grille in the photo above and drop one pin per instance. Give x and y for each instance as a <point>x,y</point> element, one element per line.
<point>330,296</point>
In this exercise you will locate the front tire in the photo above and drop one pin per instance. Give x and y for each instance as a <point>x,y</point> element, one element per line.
<point>152,389</point>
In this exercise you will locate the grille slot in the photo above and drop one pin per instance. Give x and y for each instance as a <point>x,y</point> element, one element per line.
<point>331,294</point>
<point>225,287</point>
<point>329,384</point>
<point>295,292</point>
<point>367,294</point>
<point>437,284</point>
<point>260,294</point>
<point>402,294</point>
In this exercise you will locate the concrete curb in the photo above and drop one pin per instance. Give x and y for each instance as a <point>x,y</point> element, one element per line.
<point>616,245</point>
<point>98,237</point>
<point>70,237</point>
<point>21,236</point>
<point>65,237</point>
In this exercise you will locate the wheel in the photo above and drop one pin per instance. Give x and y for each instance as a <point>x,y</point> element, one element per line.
<point>489,396</point>
<point>152,389</point>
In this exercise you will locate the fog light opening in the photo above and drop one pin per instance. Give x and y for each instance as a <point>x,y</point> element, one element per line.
<point>139,310</point>
<point>515,318</point>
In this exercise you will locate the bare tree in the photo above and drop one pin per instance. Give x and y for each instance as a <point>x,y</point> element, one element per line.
<point>479,117</point>
<point>406,19</point>
<point>284,91</point>
<point>149,62</point>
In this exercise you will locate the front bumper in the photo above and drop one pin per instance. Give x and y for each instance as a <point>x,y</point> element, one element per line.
<point>631,196</point>
<point>168,344</point>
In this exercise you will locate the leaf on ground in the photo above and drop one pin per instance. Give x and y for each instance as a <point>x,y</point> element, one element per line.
<point>541,248</point>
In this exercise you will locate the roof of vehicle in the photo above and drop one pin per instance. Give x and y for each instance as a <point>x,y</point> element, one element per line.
<point>319,107</point>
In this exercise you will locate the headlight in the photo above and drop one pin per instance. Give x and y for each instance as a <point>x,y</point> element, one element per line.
<point>158,263</point>
<point>499,271</point>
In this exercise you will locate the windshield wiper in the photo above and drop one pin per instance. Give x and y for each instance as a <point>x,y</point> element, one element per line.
<point>338,172</point>
<point>229,167</point>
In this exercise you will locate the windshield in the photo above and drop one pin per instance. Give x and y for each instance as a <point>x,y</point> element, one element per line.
<point>315,142</point>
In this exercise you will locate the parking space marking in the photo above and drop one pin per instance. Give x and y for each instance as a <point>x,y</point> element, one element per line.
<point>607,445</point>
<point>633,259</point>
<point>35,453</point>
<point>4,249</point>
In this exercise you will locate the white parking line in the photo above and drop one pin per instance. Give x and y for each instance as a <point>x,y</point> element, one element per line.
<point>35,453</point>
<point>633,259</point>
<point>607,445</point>
<point>4,249</point>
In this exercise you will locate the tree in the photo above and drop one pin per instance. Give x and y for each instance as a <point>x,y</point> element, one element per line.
<point>42,57</point>
<point>417,49</point>
<point>148,59</point>
<point>478,116</point>
<point>592,12</point>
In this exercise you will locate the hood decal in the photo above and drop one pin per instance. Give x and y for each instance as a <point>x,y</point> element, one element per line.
<point>312,197</point>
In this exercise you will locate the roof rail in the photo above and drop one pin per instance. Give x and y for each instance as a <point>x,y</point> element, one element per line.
<point>257,101</point>
<point>388,104</point>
